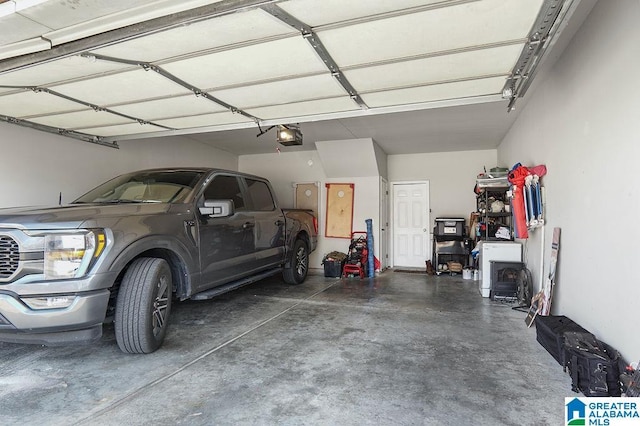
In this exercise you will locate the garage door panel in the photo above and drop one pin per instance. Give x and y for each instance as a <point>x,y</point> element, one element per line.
<point>250,64</point>
<point>60,14</point>
<point>204,120</point>
<point>88,118</point>
<point>281,92</point>
<point>300,109</point>
<point>436,92</point>
<point>464,65</point>
<point>57,71</point>
<point>224,31</point>
<point>121,88</point>
<point>122,129</point>
<point>30,103</point>
<point>389,53</point>
<point>323,12</point>
<point>16,28</point>
<point>24,47</point>
<point>468,24</point>
<point>169,107</point>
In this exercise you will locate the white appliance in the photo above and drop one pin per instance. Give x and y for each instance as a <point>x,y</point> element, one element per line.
<point>509,251</point>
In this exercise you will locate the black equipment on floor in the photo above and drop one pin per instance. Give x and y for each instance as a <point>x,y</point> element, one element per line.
<point>550,333</point>
<point>504,279</point>
<point>451,247</point>
<point>593,365</point>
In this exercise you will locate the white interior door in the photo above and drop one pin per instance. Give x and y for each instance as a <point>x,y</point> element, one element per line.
<point>410,224</point>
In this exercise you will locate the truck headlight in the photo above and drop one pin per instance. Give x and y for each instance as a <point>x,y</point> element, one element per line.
<point>71,255</point>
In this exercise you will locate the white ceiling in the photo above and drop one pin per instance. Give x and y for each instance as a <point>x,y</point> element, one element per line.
<point>414,75</point>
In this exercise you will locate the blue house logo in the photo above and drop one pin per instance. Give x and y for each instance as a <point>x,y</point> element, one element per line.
<point>576,412</point>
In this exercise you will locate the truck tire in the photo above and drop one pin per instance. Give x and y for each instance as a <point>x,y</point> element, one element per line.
<point>297,270</point>
<point>143,306</point>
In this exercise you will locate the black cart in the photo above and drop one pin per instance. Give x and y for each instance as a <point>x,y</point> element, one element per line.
<point>451,246</point>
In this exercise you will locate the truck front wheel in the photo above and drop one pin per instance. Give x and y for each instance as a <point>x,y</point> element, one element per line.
<point>297,270</point>
<point>143,306</point>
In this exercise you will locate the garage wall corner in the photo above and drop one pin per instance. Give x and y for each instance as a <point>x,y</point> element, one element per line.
<point>40,165</point>
<point>588,139</point>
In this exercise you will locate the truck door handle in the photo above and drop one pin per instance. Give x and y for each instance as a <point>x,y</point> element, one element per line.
<point>279,222</point>
<point>248,225</point>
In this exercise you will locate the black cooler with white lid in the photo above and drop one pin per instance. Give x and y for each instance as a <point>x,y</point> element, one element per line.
<point>450,245</point>
<point>449,228</point>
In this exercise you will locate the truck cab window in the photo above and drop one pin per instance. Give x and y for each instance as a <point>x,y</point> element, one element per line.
<point>224,187</point>
<point>260,195</point>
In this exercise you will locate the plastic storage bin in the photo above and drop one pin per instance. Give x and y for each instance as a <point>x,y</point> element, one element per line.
<point>333,268</point>
<point>449,227</point>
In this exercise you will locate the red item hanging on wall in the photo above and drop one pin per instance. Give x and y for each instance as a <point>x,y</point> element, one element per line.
<point>517,177</point>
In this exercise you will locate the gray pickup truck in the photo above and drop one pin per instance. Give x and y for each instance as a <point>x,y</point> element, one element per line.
<point>127,248</point>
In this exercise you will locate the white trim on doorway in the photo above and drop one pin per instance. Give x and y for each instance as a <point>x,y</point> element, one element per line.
<point>423,228</point>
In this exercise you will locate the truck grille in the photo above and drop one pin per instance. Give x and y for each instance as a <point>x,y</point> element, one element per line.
<point>9,256</point>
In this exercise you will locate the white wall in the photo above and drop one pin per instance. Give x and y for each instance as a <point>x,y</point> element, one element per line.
<point>381,160</point>
<point>37,166</point>
<point>287,168</point>
<point>583,122</point>
<point>451,176</point>
<point>350,157</point>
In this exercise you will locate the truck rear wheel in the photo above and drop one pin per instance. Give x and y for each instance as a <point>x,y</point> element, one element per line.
<point>143,306</point>
<point>299,265</point>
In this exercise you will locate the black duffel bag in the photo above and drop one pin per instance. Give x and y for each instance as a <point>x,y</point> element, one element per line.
<point>593,365</point>
<point>550,331</point>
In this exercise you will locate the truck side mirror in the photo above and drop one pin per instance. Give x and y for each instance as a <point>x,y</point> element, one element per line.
<point>217,208</point>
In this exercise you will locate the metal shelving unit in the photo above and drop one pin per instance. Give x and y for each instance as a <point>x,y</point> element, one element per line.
<point>490,219</point>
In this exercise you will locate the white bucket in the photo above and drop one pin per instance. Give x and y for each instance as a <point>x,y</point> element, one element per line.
<point>467,274</point>
<point>476,275</point>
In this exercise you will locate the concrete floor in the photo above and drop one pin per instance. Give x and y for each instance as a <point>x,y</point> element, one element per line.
<point>400,349</point>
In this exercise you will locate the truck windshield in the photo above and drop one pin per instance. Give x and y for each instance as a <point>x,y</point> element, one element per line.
<point>145,187</point>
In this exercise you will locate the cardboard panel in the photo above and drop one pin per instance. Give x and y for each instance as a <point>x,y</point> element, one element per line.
<point>307,197</point>
<point>339,222</point>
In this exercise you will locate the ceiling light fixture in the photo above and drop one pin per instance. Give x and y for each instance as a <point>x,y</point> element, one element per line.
<point>289,135</point>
